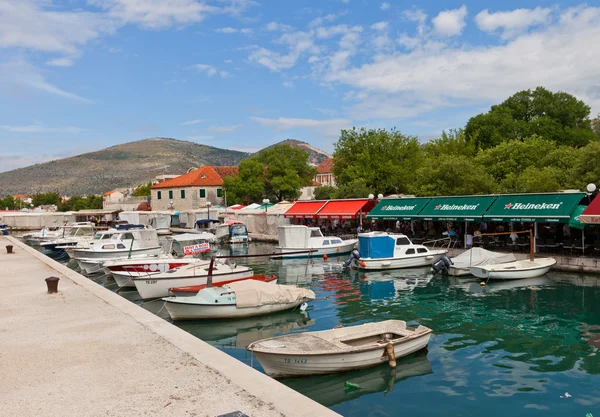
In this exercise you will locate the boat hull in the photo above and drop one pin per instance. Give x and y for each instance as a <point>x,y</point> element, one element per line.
<point>521,269</point>
<point>123,274</point>
<point>426,259</point>
<point>289,365</point>
<point>154,287</point>
<point>115,254</point>
<point>346,247</point>
<point>181,310</point>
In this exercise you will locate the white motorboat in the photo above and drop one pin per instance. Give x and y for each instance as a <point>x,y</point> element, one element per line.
<point>34,238</point>
<point>381,250</point>
<point>477,257</point>
<point>78,235</point>
<point>244,298</point>
<point>125,241</point>
<point>338,349</point>
<point>514,270</point>
<point>298,238</point>
<point>158,285</point>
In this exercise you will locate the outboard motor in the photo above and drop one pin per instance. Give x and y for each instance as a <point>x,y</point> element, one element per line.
<point>442,265</point>
<point>353,255</point>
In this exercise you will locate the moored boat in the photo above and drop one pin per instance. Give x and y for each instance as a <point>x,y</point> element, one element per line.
<point>243,298</point>
<point>477,257</point>
<point>191,290</point>
<point>338,349</point>
<point>380,250</point>
<point>298,238</point>
<point>514,270</point>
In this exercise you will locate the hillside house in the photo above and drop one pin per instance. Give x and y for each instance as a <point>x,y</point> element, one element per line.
<point>192,190</point>
<point>325,173</point>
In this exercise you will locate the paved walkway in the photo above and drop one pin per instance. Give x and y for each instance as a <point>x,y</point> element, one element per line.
<point>88,352</point>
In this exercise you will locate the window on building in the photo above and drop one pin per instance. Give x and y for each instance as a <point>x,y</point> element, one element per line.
<point>170,194</point>
<point>219,192</point>
<point>158,195</point>
<point>421,250</point>
<point>182,194</point>
<point>410,251</point>
<point>202,193</point>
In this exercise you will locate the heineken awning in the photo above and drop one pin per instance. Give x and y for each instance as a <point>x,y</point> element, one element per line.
<point>543,208</point>
<point>470,208</point>
<point>398,208</point>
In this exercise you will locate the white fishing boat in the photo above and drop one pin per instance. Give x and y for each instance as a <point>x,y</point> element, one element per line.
<point>244,298</point>
<point>34,238</point>
<point>338,349</point>
<point>125,241</point>
<point>514,270</point>
<point>477,257</point>
<point>158,285</point>
<point>297,238</point>
<point>381,250</point>
<point>78,235</point>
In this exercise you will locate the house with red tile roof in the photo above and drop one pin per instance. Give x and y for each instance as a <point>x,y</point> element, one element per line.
<point>325,173</point>
<point>192,190</point>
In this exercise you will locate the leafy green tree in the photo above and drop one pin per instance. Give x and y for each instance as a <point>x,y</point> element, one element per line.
<point>595,123</point>
<point>534,179</point>
<point>76,203</point>
<point>43,199</point>
<point>384,160</point>
<point>457,175</point>
<point>286,171</point>
<point>451,143</point>
<point>559,117</point>
<point>143,190</point>
<point>357,188</point>
<point>586,168</point>
<point>325,192</point>
<point>8,203</point>
<point>248,185</point>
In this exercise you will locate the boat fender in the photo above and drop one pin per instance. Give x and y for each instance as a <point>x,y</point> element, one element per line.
<point>389,348</point>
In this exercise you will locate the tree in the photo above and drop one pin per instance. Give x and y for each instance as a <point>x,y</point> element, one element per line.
<point>286,171</point>
<point>8,203</point>
<point>44,199</point>
<point>325,192</point>
<point>451,143</point>
<point>143,190</point>
<point>357,188</point>
<point>248,185</point>
<point>595,123</point>
<point>76,203</point>
<point>458,175</point>
<point>384,160</point>
<point>586,169</point>
<point>559,117</point>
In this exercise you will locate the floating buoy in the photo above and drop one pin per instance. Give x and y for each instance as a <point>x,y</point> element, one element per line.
<point>324,256</point>
<point>391,355</point>
<point>482,284</point>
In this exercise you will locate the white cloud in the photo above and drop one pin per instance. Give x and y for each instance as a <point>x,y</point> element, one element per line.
<point>60,62</point>
<point>450,22</point>
<point>192,122</point>
<point>385,6</point>
<point>298,44</point>
<point>230,30</point>
<point>36,128</point>
<point>419,16</point>
<point>157,14</point>
<point>512,22</point>
<point>435,75</point>
<point>223,129</point>
<point>19,74</point>
<point>380,26</point>
<point>287,84</point>
<point>329,128</point>
<point>209,70</point>
<point>228,61</point>
<point>276,26</point>
<point>224,74</point>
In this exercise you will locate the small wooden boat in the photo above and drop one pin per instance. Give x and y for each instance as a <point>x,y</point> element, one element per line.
<point>238,299</point>
<point>514,270</point>
<point>338,349</point>
<point>194,289</point>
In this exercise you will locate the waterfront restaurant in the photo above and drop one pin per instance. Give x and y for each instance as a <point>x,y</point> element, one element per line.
<point>551,210</point>
<point>330,212</point>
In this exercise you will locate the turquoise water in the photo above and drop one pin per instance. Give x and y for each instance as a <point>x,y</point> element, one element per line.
<point>505,349</point>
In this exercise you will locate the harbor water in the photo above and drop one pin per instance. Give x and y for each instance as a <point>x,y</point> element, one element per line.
<point>507,348</point>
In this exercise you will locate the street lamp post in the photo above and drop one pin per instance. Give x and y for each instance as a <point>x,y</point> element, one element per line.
<point>208,204</point>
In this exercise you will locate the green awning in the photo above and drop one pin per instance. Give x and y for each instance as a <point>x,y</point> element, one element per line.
<point>398,209</point>
<point>468,209</point>
<point>543,208</point>
<point>575,219</point>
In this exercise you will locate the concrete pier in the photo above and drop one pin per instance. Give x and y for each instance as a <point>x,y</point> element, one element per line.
<point>87,351</point>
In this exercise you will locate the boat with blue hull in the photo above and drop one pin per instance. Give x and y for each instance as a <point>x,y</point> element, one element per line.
<point>380,250</point>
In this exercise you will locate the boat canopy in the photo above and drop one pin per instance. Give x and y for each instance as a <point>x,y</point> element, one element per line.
<point>305,209</point>
<point>376,245</point>
<point>205,221</point>
<point>480,256</point>
<point>470,208</point>
<point>543,208</point>
<point>591,215</point>
<point>398,209</point>
<point>188,237</point>
<point>130,226</point>
<point>345,209</point>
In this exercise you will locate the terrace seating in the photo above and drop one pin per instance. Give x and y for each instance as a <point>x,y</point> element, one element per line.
<point>597,247</point>
<point>578,245</point>
<point>522,244</point>
<point>540,244</point>
<point>511,244</point>
<point>551,245</point>
<point>567,246</point>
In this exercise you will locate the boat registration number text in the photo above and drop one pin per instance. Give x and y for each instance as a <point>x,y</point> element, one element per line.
<point>153,281</point>
<point>287,360</point>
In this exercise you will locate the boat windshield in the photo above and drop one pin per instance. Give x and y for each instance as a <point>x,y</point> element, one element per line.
<point>238,230</point>
<point>316,233</point>
<point>81,231</point>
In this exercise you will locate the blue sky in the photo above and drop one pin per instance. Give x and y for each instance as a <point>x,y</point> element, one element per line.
<point>82,75</point>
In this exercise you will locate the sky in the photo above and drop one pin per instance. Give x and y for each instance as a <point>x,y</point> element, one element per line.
<point>82,75</point>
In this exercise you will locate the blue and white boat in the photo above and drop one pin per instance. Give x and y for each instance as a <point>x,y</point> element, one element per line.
<point>380,250</point>
<point>3,230</point>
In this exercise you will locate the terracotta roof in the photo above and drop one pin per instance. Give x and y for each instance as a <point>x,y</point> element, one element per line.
<point>21,196</point>
<point>205,176</point>
<point>325,167</point>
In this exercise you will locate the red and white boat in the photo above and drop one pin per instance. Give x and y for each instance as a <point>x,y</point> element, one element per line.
<point>194,289</point>
<point>125,269</point>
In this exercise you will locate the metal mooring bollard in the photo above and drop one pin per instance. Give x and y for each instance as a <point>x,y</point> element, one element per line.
<point>9,248</point>
<point>52,283</point>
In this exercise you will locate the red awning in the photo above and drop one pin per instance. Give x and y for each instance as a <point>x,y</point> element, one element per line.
<point>591,215</point>
<point>346,209</point>
<point>304,209</point>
